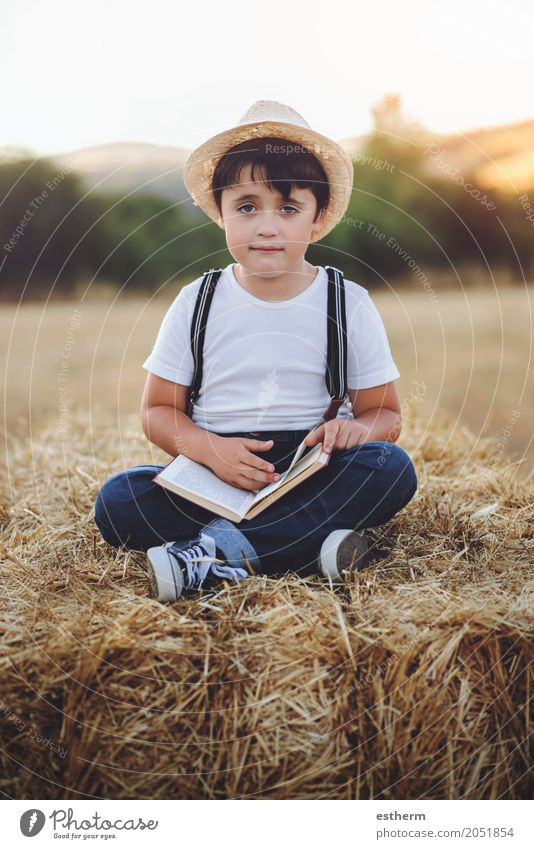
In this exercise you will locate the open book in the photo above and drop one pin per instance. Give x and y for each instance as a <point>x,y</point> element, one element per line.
<point>199,484</point>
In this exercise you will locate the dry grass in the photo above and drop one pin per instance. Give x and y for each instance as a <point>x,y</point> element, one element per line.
<point>409,682</point>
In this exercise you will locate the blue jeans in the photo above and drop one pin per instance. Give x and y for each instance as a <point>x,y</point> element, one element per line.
<point>362,487</point>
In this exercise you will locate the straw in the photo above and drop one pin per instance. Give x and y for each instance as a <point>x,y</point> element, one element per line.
<point>410,681</point>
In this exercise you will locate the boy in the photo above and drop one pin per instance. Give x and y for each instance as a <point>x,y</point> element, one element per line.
<point>273,185</point>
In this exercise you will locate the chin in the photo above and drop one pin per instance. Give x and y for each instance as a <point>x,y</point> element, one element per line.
<point>263,264</point>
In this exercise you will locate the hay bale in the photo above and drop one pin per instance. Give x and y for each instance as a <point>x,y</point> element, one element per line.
<point>411,681</point>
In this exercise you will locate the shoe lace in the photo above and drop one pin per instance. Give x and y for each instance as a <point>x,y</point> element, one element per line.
<point>233,573</point>
<point>198,564</point>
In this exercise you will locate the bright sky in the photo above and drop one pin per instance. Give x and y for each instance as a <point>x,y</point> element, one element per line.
<point>76,74</point>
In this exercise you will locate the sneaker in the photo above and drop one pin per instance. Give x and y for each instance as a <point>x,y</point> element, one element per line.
<point>176,568</point>
<point>343,550</point>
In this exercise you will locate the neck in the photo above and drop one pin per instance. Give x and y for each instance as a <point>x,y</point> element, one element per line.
<point>281,287</point>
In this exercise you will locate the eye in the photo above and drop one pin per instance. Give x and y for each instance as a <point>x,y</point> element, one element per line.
<point>291,208</point>
<point>239,208</point>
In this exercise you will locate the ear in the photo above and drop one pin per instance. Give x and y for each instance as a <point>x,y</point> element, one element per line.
<point>220,223</point>
<point>318,223</point>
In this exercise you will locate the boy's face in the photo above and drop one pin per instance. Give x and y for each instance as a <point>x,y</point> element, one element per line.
<point>255,217</point>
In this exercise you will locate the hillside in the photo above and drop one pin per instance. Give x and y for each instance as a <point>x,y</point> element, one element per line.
<point>500,158</point>
<point>130,166</point>
<point>496,157</point>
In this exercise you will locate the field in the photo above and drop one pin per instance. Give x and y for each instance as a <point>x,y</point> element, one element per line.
<point>411,681</point>
<point>468,354</point>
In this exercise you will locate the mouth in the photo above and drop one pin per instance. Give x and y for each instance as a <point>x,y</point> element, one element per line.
<point>267,250</point>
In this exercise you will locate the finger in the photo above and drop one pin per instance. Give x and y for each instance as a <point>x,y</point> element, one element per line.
<point>257,444</point>
<point>257,475</point>
<point>331,432</point>
<point>246,483</point>
<point>254,465</point>
<point>343,439</point>
<point>315,437</point>
<point>250,460</point>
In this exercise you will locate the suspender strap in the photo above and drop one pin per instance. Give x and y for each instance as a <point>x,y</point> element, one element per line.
<point>198,329</point>
<point>336,365</point>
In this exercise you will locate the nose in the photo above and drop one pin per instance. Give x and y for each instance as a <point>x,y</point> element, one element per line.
<point>267,224</point>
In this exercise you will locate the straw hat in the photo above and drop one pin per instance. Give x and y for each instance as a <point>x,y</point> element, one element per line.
<point>270,118</point>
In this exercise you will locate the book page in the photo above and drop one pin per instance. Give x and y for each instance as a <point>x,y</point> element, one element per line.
<point>294,470</point>
<point>194,477</point>
<point>300,451</point>
<point>303,447</point>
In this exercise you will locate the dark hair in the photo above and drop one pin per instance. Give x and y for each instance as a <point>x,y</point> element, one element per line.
<point>281,164</point>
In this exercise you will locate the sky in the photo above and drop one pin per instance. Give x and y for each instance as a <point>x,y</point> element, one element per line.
<point>80,74</point>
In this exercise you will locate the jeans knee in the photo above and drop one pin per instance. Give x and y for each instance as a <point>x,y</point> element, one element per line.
<point>398,468</point>
<point>121,504</point>
<point>106,512</point>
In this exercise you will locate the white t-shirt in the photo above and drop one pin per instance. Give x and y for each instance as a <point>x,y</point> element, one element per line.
<point>265,361</point>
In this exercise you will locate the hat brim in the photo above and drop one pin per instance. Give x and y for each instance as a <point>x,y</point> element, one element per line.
<point>201,163</point>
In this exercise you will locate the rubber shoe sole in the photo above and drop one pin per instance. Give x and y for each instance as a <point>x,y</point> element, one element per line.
<point>165,576</point>
<point>343,551</point>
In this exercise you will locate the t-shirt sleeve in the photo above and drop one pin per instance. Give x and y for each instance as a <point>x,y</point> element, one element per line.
<point>171,356</point>
<point>369,359</point>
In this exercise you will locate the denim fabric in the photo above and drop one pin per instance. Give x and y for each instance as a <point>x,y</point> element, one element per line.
<point>360,488</point>
<point>232,544</point>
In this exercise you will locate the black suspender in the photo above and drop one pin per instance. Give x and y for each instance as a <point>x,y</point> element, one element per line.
<point>336,363</point>
<point>336,359</point>
<point>198,330</point>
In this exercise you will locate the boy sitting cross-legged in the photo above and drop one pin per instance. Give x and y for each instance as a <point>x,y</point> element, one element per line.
<point>282,344</point>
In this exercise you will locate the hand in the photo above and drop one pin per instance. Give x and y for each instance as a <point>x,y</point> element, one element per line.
<point>338,435</point>
<point>232,461</point>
